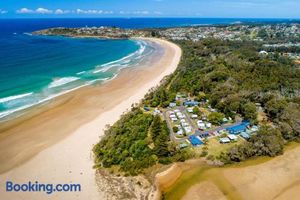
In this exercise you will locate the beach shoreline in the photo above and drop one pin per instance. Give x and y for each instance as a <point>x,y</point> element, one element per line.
<point>13,116</point>
<point>55,146</point>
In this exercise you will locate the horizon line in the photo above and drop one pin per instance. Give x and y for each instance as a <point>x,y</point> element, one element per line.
<point>151,17</point>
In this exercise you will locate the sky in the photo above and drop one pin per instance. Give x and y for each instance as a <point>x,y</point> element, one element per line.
<point>150,8</point>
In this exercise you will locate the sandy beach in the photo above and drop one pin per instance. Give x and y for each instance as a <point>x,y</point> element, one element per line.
<point>55,145</point>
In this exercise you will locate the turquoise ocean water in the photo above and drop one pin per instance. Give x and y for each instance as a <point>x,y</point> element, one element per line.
<point>36,69</point>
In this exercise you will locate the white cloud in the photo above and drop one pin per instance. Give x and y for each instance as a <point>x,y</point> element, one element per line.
<point>3,11</point>
<point>37,11</point>
<point>43,11</point>
<point>60,11</point>
<point>24,11</point>
<point>79,11</point>
<point>108,12</point>
<point>143,12</point>
<point>94,12</point>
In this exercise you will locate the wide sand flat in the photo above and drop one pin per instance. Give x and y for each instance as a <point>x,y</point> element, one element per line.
<point>275,179</point>
<point>55,146</point>
<point>204,191</point>
<point>258,179</point>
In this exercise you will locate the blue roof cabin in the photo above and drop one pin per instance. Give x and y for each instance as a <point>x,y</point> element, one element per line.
<point>191,103</point>
<point>195,141</point>
<point>238,128</point>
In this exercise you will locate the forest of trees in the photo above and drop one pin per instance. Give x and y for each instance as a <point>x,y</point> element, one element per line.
<point>283,49</point>
<point>234,77</point>
<point>267,142</point>
<point>137,141</point>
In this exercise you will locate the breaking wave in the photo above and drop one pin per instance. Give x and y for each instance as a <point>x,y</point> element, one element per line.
<point>17,104</point>
<point>11,98</point>
<point>62,81</point>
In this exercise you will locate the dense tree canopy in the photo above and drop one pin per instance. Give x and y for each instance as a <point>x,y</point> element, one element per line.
<point>137,141</point>
<point>267,142</point>
<point>234,78</point>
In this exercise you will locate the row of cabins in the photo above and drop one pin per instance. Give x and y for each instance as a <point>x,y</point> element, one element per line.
<point>228,139</point>
<point>178,115</point>
<point>200,123</point>
<point>243,129</point>
<point>175,115</point>
<point>203,125</point>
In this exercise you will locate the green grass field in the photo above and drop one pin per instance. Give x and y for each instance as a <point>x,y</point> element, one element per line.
<point>215,148</point>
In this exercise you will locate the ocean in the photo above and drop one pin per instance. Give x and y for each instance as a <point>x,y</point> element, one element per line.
<point>36,69</point>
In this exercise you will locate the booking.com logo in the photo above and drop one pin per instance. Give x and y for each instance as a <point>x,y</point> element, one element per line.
<point>41,187</point>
